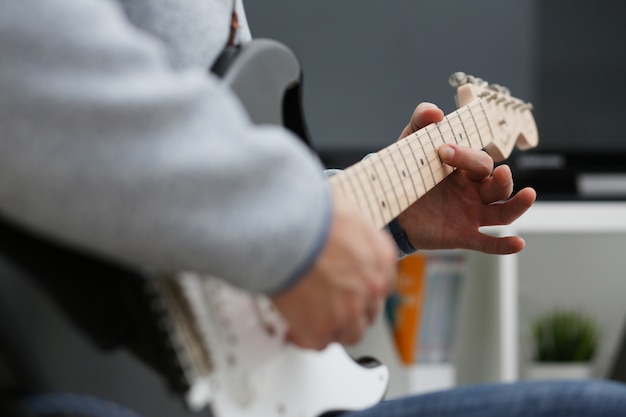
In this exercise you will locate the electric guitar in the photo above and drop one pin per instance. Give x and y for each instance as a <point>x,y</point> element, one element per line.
<point>229,346</point>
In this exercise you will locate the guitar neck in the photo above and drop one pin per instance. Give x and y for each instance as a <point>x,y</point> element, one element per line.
<point>386,183</point>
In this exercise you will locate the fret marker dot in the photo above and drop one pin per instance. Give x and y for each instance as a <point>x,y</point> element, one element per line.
<point>404,173</point>
<point>373,178</point>
<point>383,204</point>
<point>421,161</point>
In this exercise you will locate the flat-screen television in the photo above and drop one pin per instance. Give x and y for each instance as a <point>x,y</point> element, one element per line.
<point>579,101</point>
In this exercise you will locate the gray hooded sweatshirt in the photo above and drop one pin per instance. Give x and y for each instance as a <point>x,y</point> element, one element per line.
<point>115,139</point>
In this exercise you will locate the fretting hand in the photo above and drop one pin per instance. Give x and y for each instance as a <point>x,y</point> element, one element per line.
<point>474,195</point>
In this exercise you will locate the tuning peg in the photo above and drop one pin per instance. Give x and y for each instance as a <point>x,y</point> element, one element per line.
<point>458,79</point>
<point>500,89</point>
<point>479,82</point>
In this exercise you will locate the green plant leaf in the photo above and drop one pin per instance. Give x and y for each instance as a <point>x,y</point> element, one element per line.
<point>565,336</point>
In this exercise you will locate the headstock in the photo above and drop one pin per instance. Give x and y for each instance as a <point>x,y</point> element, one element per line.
<point>511,119</point>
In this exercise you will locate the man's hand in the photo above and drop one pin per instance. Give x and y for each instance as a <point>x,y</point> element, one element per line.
<point>345,290</point>
<point>474,195</point>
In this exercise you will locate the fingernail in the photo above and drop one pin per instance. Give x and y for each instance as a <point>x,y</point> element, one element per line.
<point>428,105</point>
<point>446,152</point>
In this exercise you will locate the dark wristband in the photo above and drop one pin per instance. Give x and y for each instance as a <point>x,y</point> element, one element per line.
<point>400,237</point>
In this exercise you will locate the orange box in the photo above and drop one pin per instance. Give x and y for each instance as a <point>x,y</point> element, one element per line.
<point>407,306</point>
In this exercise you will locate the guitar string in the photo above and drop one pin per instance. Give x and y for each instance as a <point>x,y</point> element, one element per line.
<point>439,173</point>
<point>449,124</point>
<point>458,121</point>
<point>452,123</point>
<point>409,140</point>
<point>380,196</point>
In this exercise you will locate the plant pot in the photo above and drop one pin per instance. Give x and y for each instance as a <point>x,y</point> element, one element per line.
<point>559,370</point>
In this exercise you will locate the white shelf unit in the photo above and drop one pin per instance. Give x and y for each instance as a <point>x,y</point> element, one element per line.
<point>544,218</point>
<point>487,339</point>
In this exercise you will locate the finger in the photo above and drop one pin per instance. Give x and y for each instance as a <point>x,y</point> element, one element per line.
<point>502,214</point>
<point>354,330</point>
<point>354,333</point>
<point>478,164</point>
<point>373,309</point>
<point>308,340</point>
<point>498,245</point>
<point>351,327</point>
<point>424,114</point>
<point>510,210</point>
<point>499,187</point>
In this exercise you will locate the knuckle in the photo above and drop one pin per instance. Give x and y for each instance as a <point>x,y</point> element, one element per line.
<point>354,334</point>
<point>353,310</point>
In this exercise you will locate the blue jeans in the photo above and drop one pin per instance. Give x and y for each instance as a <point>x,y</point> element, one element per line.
<point>520,399</point>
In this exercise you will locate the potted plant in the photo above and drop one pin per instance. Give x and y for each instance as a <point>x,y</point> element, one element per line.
<point>564,345</point>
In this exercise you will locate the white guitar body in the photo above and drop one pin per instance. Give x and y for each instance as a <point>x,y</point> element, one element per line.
<point>230,345</point>
<point>253,370</point>
<point>299,382</point>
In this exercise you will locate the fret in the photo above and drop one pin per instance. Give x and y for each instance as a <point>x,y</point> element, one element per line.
<point>401,177</point>
<point>349,191</point>
<point>361,199</point>
<point>391,189</point>
<point>452,133</point>
<point>358,174</point>
<point>388,193</point>
<point>403,147</point>
<point>417,164</point>
<point>379,200</point>
<point>441,135</point>
<point>369,180</point>
<point>470,110</point>
<point>432,174</point>
<point>462,139</point>
<point>488,122</point>
<point>460,135</point>
<point>439,171</point>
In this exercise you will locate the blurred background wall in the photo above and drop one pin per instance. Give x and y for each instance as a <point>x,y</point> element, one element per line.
<point>367,63</point>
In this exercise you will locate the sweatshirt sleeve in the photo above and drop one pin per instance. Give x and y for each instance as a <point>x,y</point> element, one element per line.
<point>106,147</point>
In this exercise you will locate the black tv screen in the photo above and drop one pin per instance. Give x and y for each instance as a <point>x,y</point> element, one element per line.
<point>580,101</point>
